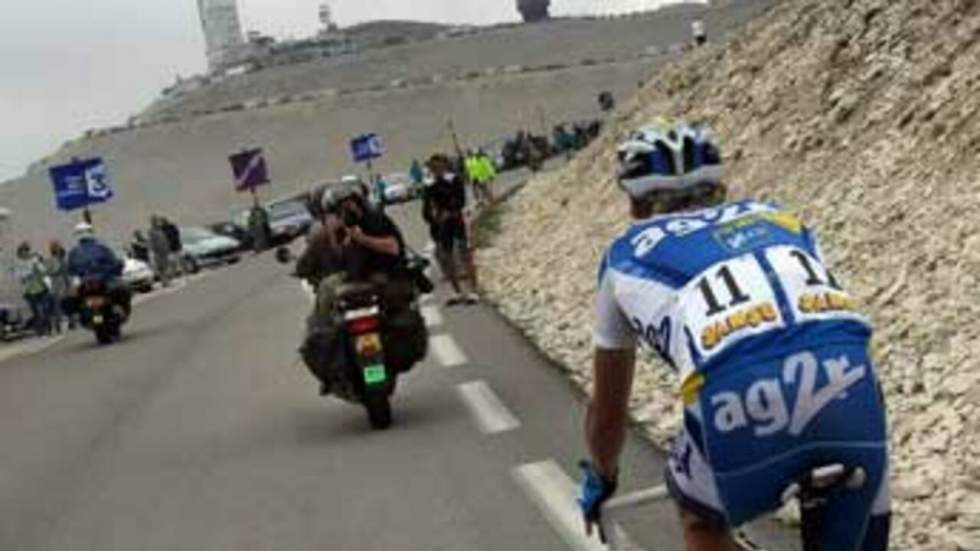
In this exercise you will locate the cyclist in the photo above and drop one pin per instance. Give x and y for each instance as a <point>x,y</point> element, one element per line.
<point>770,352</point>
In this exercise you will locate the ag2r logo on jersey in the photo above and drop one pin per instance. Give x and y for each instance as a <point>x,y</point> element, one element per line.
<point>764,407</point>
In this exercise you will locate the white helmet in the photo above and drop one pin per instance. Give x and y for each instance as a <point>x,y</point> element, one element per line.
<point>351,179</point>
<point>334,195</point>
<point>668,157</point>
<point>84,229</point>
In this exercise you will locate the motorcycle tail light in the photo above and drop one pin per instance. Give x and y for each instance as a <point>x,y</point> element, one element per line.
<point>359,326</point>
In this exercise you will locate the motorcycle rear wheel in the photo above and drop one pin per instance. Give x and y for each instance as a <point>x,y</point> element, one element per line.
<point>105,334</point>
<point>379,411</point>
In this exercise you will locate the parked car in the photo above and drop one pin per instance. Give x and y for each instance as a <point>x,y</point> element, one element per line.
<point>288,219</point>
<point>204,248</point>
<point>234,231</point>
<point>399,188</point>
<point>137,275</point>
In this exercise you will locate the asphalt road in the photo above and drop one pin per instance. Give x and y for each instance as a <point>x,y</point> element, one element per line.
<point>202,430</point>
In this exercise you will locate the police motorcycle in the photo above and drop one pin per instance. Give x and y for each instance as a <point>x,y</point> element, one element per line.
<point>100,310</point>
<point>373,347</point>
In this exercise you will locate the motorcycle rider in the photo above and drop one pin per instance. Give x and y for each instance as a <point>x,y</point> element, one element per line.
<point>354,244</point>
<point>90,260</point>
<point>771,354</point>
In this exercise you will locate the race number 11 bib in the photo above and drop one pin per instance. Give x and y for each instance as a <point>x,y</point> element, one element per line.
<point>728,302</point>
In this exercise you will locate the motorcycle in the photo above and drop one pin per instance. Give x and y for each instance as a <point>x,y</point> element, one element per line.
<point>99,312</point>
<point>369,381</point>
<point>371,348</point>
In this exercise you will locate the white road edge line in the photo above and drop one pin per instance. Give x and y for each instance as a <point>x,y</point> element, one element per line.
<point>309,291</point>
<point>554,493</point>
<point>446,351</point>
<point>490,413</point>
<point>433,317</point>
<point>36,346</point>
<point>29,348</point>
<point>176,286</point>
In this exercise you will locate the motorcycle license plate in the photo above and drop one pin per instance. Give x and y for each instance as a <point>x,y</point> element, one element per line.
<point>375,374</point>
<point>97,320</point>
<point>95,302</point>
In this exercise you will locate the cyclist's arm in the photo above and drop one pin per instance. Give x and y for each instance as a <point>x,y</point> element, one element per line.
<point>613,366</point>
<point>605,421</point>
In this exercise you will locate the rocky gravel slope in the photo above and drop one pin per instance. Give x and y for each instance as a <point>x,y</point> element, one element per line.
<point>861,115</point>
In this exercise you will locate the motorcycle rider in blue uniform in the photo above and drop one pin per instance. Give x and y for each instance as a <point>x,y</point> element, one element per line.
<point>91,260</point>
<point>770,351</point>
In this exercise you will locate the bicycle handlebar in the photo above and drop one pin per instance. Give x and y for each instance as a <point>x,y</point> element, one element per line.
<point>607,523</point>
<point>636,499</point>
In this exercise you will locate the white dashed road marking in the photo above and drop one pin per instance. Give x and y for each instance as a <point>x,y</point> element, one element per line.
<point>433,317</point>
<point>554,493</point>
<point>446,351</point>
<point>490,413</point>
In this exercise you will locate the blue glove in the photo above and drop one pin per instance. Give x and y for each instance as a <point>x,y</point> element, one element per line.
<point>596,490</point>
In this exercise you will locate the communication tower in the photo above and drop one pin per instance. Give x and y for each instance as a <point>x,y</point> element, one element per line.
<point>326,19</point>
<point>223,38</point>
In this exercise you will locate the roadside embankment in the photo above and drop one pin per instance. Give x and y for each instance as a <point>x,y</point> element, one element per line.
<point>860,116</point>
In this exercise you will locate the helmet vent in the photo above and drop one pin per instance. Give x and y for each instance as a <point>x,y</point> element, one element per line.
<point>663,160</point>
<point>692,161</point>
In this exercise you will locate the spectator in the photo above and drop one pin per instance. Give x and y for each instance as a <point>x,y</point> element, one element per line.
<point>564,140</point>
<point>258,227</point>
<point>160,251</point>
<point>442,208</point>
<point>487,173</point>
<point>471,166</point>
<point>606,101</point>
<point>416,173</point>
<point>56,266</point>
<point>698,32</point>
<point>379,192</point>
<point>29,271</point>
<point>173,237</point>
<point>140,247</point>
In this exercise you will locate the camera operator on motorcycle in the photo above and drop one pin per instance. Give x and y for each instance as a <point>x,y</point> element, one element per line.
<point>771,354</point>
<point>354,244</point>
<point>91,260</point>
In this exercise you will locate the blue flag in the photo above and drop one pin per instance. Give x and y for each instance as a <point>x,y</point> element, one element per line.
<point>366,147</point>
<point>80,183</point>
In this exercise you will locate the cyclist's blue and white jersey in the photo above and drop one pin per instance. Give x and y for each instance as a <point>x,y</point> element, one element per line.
<point>771,354</point>
<point>720,286</point>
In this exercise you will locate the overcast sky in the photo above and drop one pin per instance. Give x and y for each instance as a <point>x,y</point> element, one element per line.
<point>69,65</point>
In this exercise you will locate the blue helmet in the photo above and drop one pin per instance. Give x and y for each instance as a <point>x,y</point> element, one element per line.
<point>669,157</point>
